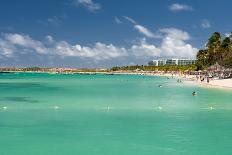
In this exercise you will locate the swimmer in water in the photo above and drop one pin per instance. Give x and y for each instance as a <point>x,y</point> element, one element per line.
<point>194,93</point>
<point>160,86</point>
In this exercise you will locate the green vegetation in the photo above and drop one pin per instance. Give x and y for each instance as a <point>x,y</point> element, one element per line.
<point>156,68</point>
<point>218,50</point>
<point>33,69</point>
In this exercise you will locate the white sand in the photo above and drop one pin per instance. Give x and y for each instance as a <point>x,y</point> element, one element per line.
<point>225,83</point>
<point>222,83</point>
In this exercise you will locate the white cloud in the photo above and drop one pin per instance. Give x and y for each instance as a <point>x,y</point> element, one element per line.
<point>12,44</point>
<point>88,4</point>
<point>175,33</point>
<point>117,20</point>
<point>6,49</point>
<point>130,20</point>
<point>172,44</point>
<point>25,41</point>
<point>49,39</point>
<point>144,49</point>
<point>142,29</point>
<point>145,31</point>
<point>180,7</point>
<point>205,24</point>
<point>99,51</point>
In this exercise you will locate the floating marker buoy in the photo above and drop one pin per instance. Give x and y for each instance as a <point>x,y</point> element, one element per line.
<point>56,107</point>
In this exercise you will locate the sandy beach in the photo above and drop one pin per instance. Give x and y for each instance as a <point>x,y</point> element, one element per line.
<point>213,83</point>
<point>223,83</point>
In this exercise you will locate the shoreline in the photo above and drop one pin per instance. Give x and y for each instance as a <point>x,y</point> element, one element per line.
<point>213,83</point>
<point>222,84</point>
<point>217,83</point>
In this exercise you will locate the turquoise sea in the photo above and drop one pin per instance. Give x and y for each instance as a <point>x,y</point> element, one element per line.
<point>46,114</point>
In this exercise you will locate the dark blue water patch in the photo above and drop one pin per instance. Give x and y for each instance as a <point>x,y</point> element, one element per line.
<point>26,85</point>
<point>9,75</point>
<point>18,99</point>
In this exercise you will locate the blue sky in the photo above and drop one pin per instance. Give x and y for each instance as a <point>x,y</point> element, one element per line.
<point>105,33</point>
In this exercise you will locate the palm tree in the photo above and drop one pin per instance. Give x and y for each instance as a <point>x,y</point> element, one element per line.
<point>214,44</point>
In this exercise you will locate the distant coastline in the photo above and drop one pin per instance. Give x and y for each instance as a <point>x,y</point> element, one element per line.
<point>185,77</point>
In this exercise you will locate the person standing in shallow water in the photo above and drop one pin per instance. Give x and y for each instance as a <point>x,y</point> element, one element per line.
<point>202,78</point>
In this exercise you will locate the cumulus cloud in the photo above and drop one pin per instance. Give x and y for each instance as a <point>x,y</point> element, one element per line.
<point>99,51</point>
<point>6,49</point>
<point>88,4</point>
<point>180,7</point>
<point>172,44</point>
<point>25,41</point>
<point>11,44</point>
<point>175,33</point>
<point>142,48</point>
<point>205,24</point>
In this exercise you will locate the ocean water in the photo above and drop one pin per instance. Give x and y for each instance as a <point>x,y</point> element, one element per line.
<point>45,114</point>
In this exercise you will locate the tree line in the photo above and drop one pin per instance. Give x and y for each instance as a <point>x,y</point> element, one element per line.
<point>156,68</point>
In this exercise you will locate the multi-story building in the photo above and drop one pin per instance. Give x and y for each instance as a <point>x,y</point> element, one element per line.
<point>157,62</point>
<point>171,62</point>
<point>183,62</point>
<point>180,62</point>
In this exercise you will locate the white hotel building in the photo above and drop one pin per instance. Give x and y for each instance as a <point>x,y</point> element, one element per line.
<point>179,62</point>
